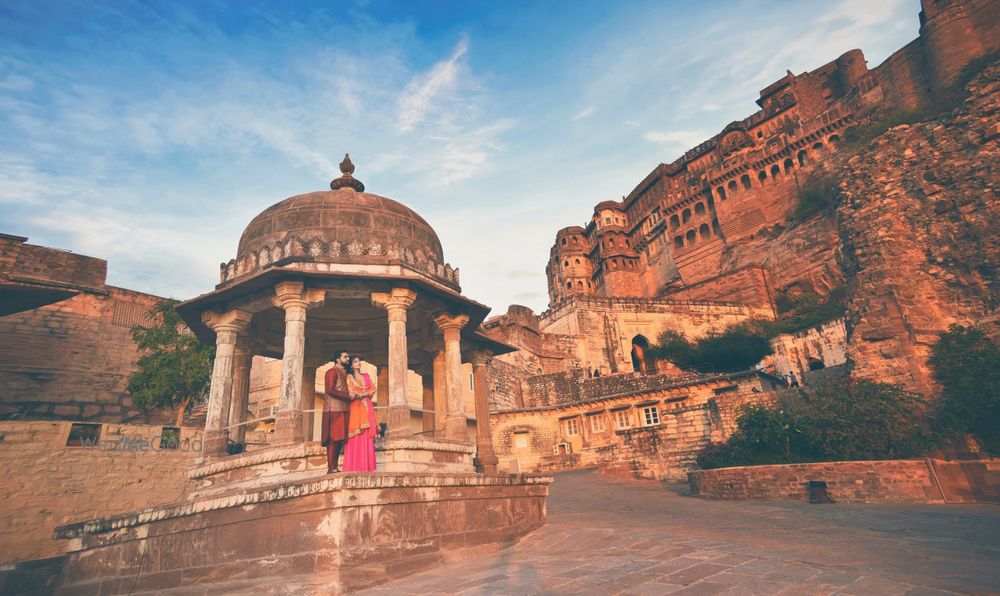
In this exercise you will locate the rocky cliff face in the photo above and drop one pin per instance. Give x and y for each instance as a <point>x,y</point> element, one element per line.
<point>920,226</point>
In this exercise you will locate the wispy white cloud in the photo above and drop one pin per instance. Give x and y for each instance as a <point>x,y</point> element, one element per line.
<point>419,96</point>
<point>584,113</point>
<point>688,138</point>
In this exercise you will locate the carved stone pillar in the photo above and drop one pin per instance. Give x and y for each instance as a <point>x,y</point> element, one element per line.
<point>484,436</point>
<point>242,358</point>
<point>396,303</point>
<point>291,297</point>
<point>227,327</point>
<point>451,327</point>
<point>427,419</point>
<point>440,390</point>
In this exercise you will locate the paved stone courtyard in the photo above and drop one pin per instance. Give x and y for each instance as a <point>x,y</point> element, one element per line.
<point>615,537</point>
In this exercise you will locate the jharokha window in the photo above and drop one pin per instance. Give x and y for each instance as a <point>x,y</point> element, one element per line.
<point>572,427</point>
<point>650,416</point>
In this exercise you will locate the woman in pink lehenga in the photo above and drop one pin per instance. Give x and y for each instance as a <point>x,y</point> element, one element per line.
<point>359,454</point>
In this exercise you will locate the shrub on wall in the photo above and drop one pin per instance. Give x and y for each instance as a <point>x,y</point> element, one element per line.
<point>842,420</point>
<point>739,347</point>
<point>817,195</point>
<point>807,311</point>
<point>967,364</point>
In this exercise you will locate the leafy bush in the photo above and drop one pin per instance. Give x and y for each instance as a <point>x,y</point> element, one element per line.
<point>809,310</point>
<point>967,364</point>
<point>739,347</point>
<point>844,420</point>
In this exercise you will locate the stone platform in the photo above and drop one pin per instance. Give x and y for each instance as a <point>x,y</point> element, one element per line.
<point>340,532</point>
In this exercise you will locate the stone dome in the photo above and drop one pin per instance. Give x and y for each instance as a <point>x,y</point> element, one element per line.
<point>341,225</point>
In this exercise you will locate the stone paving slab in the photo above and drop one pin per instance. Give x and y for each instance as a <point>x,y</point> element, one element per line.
<point>639,538</point>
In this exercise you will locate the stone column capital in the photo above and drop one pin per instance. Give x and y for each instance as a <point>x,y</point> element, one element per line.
<point>480,357</point>
<point>447,322</point>
<point>395,302</point>
<point>232,320</point>
<point>291,295</point>
<point>398,298</point>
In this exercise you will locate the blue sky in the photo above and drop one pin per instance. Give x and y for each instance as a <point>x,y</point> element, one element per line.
<point>150,133</point>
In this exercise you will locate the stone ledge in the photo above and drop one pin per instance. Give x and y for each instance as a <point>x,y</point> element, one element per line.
<point>373,480</point>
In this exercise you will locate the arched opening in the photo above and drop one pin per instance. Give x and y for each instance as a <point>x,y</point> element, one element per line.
<point>762,177</point>
<point>721,193</point>
<point>818,147</point>
<point>642,361</point>
<point>704,232</point>
<point>579,284</point>
<point>833,140</point>
<point>802,158</point>
<point>691,237</point>
<point>775,172</point>
<point>577,261</point>
<point>566,264</point>
<point>745,180</point>
<point>564,242</point>
<point>686,216</point>
<point>675,221</point>
<point>569,285</point>
<point>815,363</point>
<point>576,240</point>
<point>732,187</point>
<point>789,165</point>
<point>699,208</point>
<point>678,241</point>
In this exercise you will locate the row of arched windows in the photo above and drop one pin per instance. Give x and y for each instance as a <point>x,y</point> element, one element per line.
<point>692,237</point>
<point>776,173</point>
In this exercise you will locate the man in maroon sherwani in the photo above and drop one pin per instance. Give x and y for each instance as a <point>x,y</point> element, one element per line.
<point>335,410</point>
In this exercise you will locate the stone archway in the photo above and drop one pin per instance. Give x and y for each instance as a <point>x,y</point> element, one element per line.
<point>642,359</point>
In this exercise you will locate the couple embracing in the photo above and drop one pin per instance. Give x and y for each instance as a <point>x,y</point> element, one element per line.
<point>348,416</point>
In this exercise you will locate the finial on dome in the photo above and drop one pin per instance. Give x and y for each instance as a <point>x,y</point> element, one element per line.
<point>347,180</point>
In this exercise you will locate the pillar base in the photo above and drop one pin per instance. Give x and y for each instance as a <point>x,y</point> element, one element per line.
<point>215,443</point>
<point>487,463</point>
<point>455,428</point>
<point>288,427</point>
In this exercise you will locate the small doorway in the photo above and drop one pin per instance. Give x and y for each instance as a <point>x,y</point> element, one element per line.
<point>642,361</point>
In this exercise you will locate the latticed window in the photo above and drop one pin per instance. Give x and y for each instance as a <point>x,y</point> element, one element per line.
<point>650,416</point>
<point>623,419</point>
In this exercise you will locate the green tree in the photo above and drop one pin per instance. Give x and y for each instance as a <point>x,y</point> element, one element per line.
<point>740,346</point>
<point>967,364</point>
<point>175,369</point>
<point>861,419</point>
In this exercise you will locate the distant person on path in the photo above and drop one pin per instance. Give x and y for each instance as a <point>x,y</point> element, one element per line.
<point>792,380</point>
<point>359,455</point>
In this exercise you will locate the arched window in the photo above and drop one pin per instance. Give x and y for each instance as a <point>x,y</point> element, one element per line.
<point>818,147</point>
<point>576,240</point>
<point>577,261</point>
<point>732,187</point>
<point>721,193</point>
<point>678,241</point>
<point>675,222</point>
<point>579,284</point>
<point>762,177</point>
<point>569,285</point>
<point>789,165</point>
<point>704,232</point>
<point>564,242</point>
<point>833,139</point>
<point>745,180</point>
<point>611,243</point>
<point>691,237</point>
<point>802,158</point>
<point>775,172</point>
<point>566,264</point>
<point>699,208</point>
<point>686,216</point>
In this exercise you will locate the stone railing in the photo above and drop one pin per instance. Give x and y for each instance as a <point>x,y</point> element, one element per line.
<point>297,249</point>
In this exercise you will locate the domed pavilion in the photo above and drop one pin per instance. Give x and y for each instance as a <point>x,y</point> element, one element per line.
<point>333,270</point>
<point>345,269</point>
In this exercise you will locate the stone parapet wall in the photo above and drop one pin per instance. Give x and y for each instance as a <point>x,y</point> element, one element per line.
<point>51,484</point>
<point>891,481</point>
